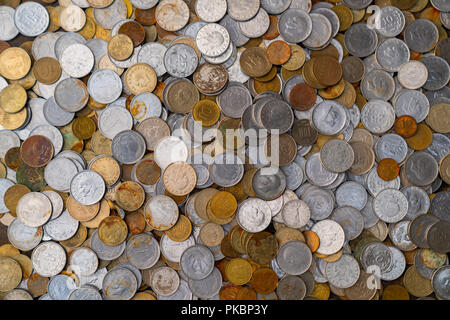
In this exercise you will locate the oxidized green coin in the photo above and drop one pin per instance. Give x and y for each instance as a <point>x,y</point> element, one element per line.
<point>33,178</point>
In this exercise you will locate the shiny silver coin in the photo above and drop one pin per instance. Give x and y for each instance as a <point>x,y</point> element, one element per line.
<point>391,146</point>
<point>377,254</point>
<point>320,202</point>
<point>31,19</point>
<point>440,146</point>
<point>295,214</point>
<point>254,215</point>
<point>153,54</point>
<point>242,11</point>
<point>439,280</point>
<point>23,237</point>
<point>105,252</point>
<point>391,21</point>
<point>48,258</point>
<point>34,209</point>
<point>62,228</point>
<point>377,116</point>
<point>257,26</point>
<point>105,86</point>
<point>331,236</point>
<point>107,17</point>
<point>180,60</point>
<point>85,293</point>
<point>59,173</point>
<point>71,95</point>
<point>378,84</point>
<point>360,41</point>
<point>392,53</point>
<point>77,60</point>
<point>207,287</point>
<point>329,117</point>
<point>398,266</point>
<point>337,155</point>
<point>320,32</point>
<point>351,194</point>
<point>226,170</point>
<point>211,11</point>
<point>344,272</point>
<point>268,185</point>
<point>351,221</point>
<point>55,115</point>
<point>8,30</point>
<point>87,187</point>
<point>317,174</point>
<point>418,201</point>
<point>438,72</point>
<point>83,262</point>
<point>60,287</point>
<point>390,205</point>
<point>212,40</point>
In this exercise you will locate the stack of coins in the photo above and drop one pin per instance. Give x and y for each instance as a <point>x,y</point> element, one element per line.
<point>224,149</point>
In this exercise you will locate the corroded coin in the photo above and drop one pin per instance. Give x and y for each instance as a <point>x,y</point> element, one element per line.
<point>179,178</point>
<point>112,231</point>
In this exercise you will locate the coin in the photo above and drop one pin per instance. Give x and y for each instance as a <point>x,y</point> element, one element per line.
<point>119,284</point>
<point>388,169</point>
<point>13,98</point>
<point>112,231</point>
<point>11,273</point>
<point>49,259</point>
<point>238,271</point>
<point>130,196</point>
<point>161,212</point>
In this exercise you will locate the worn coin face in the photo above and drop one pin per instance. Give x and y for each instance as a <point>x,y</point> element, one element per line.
<point>34,209</point>
<point>331,236</point>
<point>87,187</point>
<point>292,21</point>
<point>294,257</point>
<point>119,284</point>
<point>49,259</point>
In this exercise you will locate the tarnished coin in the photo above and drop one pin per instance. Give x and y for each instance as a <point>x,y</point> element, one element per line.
<point>49,259</point>
<point>37,151</point>
<point>440,276</point>
<point>11,274</point>
<point>119,284</point>
<point>142,251</point>
<point>438,236</point>
<point>34,209</point>
<point>291,288</point>
<point>83,261</point>
<point>172,15</point>
<point>421,35</point>
<point>197,262</point>
<point>161,212</point>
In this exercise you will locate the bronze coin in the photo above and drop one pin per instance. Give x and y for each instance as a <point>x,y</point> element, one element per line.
<point>302,97</point>
<point>47,70</point>
<point>134,30</point>
<point>210,78</point>
<point>145,17</point>
<point>304,133</point>
<point>13,158</point>
<point>148,172</point>
<point>353,69</point>
<point>135,222</point>
<point>37,284</point>
<point>254,62</point>
<point>327,70</point>
<point>287,149</point>
<point>36,151</point>
<point>278,52</point>
<point>273,31</point>
<point>4,45</point>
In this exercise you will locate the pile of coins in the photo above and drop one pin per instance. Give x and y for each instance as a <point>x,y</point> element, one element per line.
<point>119,178</point>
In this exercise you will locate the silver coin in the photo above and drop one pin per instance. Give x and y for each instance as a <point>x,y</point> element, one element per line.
<point>294,175</point>
<point>75,156</point>
<point>360,41</point>
<point>197,262</point>
<point>77,60</point>
<point>83,261</point>
<point>390,21</point>
<point>17,294</point>
<point>145,105</point>
<point>391,146</point>
<point>34,209</point>
<point>66,40</point>
<point>71,95</point>
<point>242,11</point>
<point>275,7</point>
<point>133,269</point>
<point>369,216</point>
<point>59,173</point>
<point>439,205</point>
<point>397,267</point>
<point>105,86</point>
<point>377,116</point>
<point>257,26</point>
<point>276,114</point>
<point>319,201</point>
<point>87,187</point>
<point>62,228</point>
<point>418,201</point>
<point>48,258</point>
<point>350,220</point>
<point>439,280</point>
<point>105,252</point>
<point>291,288</point>
<point>375,184</point>
<point>392,53</point>
<point>332,17</point>
<point>295,213</point>
<point>85,293</point>
<point>337,155</point>
<point>165,281</point>
<point>153,55</point>
<point>295,25</point>
<point>236,35</point>
<point>357,4</point>
<point>180,60</point>
<point>351,194</point>
<point>99,48</point>
<point>268,186</point>
<point>55,115</point>
<point>107,17</point>
<point>400,237</point>
<point>8,30</point>
<point>390,205</point>
<point>192,28</point>
<point>36,106</point>
<point>161,212</point>
<point>119,284</point>
<point>254,215</point>
<point>52,133</point>
<point>421,169</point>
<point>305,5</point>
<point>183,292</point>
<point>60,287</point>
<point>57,203</point>
<point>207,287</point>
<point>412,103</point>
<point>438,72</point>
<point>445,19</point>
<point>8,140</point>
<point>114,120</point>
<point>344,272</point>
<point>439,147</point>
<point>329,117</point>
<point>212,40</point>
<point>226,170</point>
<point>331,236</point>
<point>294,257</point>
<point>169,150</point>
<point>235,72</point>
<point>378,84</point>
<point>421,35</point>
<point>173,250</point>
<point>23,237</point>
<point>377,254</point>
<point>142,251</point>
<point>31,19</point>
<point>211,11</point>
<point>5,184</point>
<point>234,100</point>
<point>317,174</point>
<point>320,32</point>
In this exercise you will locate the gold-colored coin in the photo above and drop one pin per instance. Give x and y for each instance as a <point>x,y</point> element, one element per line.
<point>37,284</point>
<point>268,77</point>
<point>239,271</point>
<point>312,240</point>
<point>416,285</point>
<point>439,118</point>
<point>12,196</point>
<point>321,291</point>
<point>264,280</point>
<point>261,247</point>
<point>8,250</point>
<point>77,239</point>
<point>297,58</point>
<point>108,168</point>
<point>273,85</point>
<point>206,112</point>
<point>333,91</point>
<point>444,169</point>
<point>10,273</point>
<point>215,219</point>
<point>254,62</point>
<point>360,290</point>
<point>120,47</point>
<point>358,15</point>
<point>432,259</point>
<point>143,296</point>
<point>211,234</point>
<point>348,96</point>
<point>130,196</point>
<point>179,178</point>
<point>83,128</point>
<point>15,63</point>
<point>223,204</point>
<point>88,30</point>
<point>103,213</point>
<point>81,212</point>
<point>286,74</point>
<point>201,201</point>
<point>100,144</point>
<point>112,231</point>
<point>395,292</point>
<point>106,63</point>
<point>2,170</point>
<point>345,16</point>
<point>13,98</point>
<point>422,139</point>
<point>27,82</point>
<point>287,234</point>
<point>333,257</point>
<point>25,264</point>
<point>181,230</point>
<point>47,70</point>
<point>140,78</point>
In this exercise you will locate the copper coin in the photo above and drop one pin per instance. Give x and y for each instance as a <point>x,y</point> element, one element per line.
<point>37,285</point>
<point>134,30</point>
<point>287,149</point>
<point>388,169</point>
<point>278,52</point>
<point>179,178</point>
<point>36,151</point>
<point>302,97</point>
<point>81,212</point>
<point>405,126</point>
<point>135,222</point>
<point>148,172</point>
<point>273,32</point>
<point>13,158</point>
<point>47,70</point>
<point>254,62</point>
<point>304,133</point>
<point>210,78</point>
<point>145,17</point>
<point>327,70</point>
